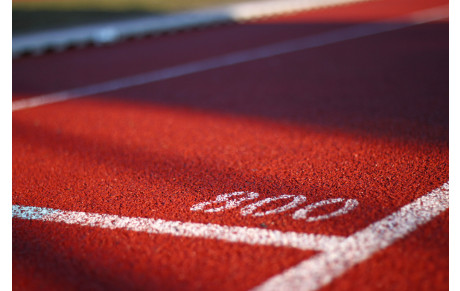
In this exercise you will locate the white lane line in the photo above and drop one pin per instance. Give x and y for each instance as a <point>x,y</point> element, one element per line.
<point>321,269</point>
<point>267,51</point>
<point>236,234</point>
<point>338,253</point>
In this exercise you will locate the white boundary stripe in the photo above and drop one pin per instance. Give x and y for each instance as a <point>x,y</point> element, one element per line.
<point>321,269</point>
<point>314,41</point>
<point>339,253</point>
<point>236,234</point>
<point>117,30</point>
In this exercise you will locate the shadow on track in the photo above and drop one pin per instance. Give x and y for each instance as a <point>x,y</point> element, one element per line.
<point>390,85</point>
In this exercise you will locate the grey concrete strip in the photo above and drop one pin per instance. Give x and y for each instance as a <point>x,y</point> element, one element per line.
<point>110,32</point>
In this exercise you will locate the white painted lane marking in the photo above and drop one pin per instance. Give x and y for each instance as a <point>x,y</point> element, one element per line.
<point>294,203</point>
<point>321,269</point>
<point>236,234</point>
<point>350,204</point>
<point>239,197</point>
<point>339,253</point>
<point>229,204</point>
<point>314,41</point>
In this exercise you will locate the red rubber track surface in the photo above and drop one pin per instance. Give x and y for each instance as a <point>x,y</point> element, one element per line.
<point>363,119</point>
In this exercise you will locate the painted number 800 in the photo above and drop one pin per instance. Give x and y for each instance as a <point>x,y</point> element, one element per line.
<point>233,200</point>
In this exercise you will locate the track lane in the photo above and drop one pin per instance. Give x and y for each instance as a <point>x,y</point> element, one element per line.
<point>156,150</point>
<point>59,257</point>
<point>415,262</point>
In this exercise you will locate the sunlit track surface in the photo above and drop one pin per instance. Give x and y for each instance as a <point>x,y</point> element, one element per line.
<point>282,154</point>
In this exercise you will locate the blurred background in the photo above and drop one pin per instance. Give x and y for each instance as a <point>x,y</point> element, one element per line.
<point>35,15</point>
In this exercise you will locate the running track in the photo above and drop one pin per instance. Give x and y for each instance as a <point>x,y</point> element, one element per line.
<point>331,127</point>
